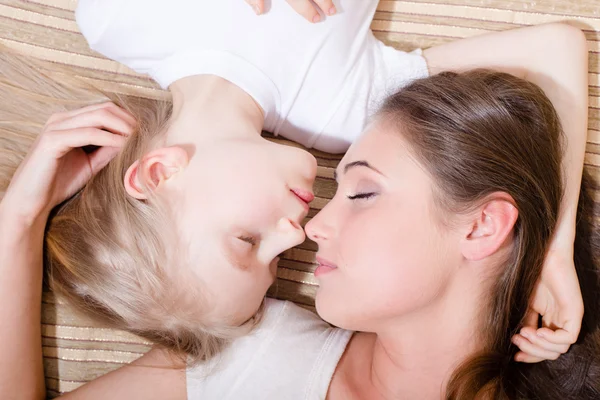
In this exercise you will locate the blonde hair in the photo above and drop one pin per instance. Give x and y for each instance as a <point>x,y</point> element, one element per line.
<point>107,253</point>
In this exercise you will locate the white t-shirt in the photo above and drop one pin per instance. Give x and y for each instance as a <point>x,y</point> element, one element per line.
<point>292,355</point>
<point>317,83</point>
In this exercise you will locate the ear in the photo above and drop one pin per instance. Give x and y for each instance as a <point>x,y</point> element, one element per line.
<point>156,167</point>
<point>489,227</point>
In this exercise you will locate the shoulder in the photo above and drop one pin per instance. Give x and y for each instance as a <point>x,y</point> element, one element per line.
<point>291,343</point>
<point>291,329</point>
<point>291,317</point>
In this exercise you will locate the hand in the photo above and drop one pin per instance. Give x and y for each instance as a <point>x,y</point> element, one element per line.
<point>307,8</point>
<point>557,298</point>
<point>56,167</point>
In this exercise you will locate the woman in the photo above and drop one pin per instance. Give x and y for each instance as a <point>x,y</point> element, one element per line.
<point>183,333</point>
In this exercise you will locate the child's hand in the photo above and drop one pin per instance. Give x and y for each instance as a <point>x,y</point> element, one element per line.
<point>557,298</point>
<point>307,8</point>
<point>56,167</point>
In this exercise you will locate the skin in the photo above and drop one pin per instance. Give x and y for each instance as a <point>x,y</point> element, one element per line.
<point>23,217</point>
<point>416,310</point>
<point>251,221</point>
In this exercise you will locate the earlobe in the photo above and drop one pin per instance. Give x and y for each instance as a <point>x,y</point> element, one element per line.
<point>492,225</point>
<point>155,168</point>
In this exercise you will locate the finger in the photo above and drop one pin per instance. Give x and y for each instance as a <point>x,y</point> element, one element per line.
<point>58,117</point>
<point>326,6</point>
<point>558,336</point>
<point>257,5</point>
<point>60,143</point>
<point>306,9</point>
<point>527,347</point>
<point>539,341</point>
<point>102,118</point>
<point>526,358</point>
<point>101,157</point>
<point>122,113</point>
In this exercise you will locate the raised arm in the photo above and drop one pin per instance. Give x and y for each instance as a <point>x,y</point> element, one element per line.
<point>555,57</point>
<point>55,169</point>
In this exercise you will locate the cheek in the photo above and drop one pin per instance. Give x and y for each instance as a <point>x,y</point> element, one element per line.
<point>249,197</point>
<point>389,267</point>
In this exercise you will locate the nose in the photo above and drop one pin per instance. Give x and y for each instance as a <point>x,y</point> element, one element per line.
<point>288,233</point>
<point>317,229</point>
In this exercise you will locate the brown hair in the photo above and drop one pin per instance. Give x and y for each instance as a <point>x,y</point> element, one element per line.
<point>107,253</point>
<point>481,132</point>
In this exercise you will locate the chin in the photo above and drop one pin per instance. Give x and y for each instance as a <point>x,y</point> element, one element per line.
<point>330,310</point>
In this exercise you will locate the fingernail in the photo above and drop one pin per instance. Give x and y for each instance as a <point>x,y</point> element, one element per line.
<point>331,11</point>
<point>540,334</point>
<point>256,9</point>
<point>316,18</point>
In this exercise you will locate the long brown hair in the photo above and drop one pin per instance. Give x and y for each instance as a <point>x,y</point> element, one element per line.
<point>481,132</point>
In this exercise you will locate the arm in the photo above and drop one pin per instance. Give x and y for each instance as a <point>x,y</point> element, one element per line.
<point>554,57</point>
<point>21,368</point>
<point>56,168</point>
<point>156,375</point>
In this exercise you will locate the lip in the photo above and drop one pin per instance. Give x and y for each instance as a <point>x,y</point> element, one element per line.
<point>324,267</point>
<point>305,195</point>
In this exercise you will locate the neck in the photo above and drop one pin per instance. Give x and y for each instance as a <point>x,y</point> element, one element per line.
<point>207,106</point>
<point>413,358</point>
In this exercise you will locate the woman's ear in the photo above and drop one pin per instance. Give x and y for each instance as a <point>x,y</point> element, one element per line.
<point>156,167</point>
<point>490,226</point>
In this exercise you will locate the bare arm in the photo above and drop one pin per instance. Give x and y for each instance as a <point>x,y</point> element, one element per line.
<point>55,169</point>
<point>154,376</point>
<point>21,368</point>
<point>555,57</point>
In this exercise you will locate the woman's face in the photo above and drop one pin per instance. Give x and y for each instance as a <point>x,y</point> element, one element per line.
<point>242,203</point>
<point>382,253</point>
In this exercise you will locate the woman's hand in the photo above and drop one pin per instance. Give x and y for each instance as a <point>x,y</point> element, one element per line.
<point>557,298</point>
<point>57,167</point>
<point>307,8</point>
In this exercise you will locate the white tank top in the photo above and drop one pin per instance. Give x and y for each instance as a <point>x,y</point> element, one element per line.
<point>292,355</point>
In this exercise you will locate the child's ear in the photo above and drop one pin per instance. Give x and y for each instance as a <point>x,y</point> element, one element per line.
<point>156,167</point>
<point>490,226</point>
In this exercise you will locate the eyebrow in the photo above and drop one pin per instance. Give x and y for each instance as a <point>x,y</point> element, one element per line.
<point>354,164</point>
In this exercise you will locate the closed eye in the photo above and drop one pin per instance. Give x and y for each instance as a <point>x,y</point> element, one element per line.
<point>361,196</point>
<point>248,239</point>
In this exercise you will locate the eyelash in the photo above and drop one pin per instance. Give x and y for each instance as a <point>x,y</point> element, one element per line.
<point>362,196</point>
<point>248,239</point>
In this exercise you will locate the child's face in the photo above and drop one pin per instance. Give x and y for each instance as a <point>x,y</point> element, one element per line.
<point>237,211</point>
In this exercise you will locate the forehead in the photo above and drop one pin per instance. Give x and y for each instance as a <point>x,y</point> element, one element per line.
<point>380,146</point>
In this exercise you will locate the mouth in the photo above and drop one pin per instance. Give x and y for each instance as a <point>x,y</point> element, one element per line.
<point>304,196</point>
<point>324,266</point>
